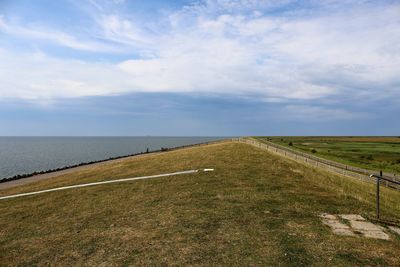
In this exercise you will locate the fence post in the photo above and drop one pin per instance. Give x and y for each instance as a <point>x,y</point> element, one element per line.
<point>377,195</point>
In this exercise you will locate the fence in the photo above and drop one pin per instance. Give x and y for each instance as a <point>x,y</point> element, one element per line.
<point>335,167</point>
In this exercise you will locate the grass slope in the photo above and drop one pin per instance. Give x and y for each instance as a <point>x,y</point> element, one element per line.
<point>375,153</point>
<point>255,209</point>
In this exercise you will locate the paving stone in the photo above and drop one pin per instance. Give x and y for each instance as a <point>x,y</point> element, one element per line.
<point>358,224</point>
<point>369,229</point>
<point>344,232</point>
<point>367,226</point>
<point>376,234</point>
<point>335,224</point>
<point>327,216</point>
<point>395,229</point>
<point>338,227</point>
<point>352,217</point>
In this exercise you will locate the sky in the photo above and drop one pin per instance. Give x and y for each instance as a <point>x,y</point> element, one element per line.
<point>204,67</point>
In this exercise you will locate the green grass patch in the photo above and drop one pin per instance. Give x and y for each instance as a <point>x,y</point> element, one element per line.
<point>374,153</point>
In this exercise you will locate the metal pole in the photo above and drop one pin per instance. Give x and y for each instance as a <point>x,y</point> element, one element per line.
<point>377,195</point>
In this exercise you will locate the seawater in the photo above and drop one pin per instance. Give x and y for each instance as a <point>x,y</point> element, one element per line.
<point>20,155</point>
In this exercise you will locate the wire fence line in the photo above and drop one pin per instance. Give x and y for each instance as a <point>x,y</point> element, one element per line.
<point>335,167</point>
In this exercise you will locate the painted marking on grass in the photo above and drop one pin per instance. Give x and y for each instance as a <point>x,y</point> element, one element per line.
<point>104,182</point>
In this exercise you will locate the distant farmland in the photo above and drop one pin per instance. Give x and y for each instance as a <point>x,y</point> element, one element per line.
<point>375,153</point>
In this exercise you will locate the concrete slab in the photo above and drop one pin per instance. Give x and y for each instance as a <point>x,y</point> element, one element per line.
<point>327,216</point>
<point>358,226</point>
<point>337,227</point>
<point>365,226</point>
<point>376,235</point>
<point>352,217</point>
<point>335,224</point>
<point>395,229</point>
<point>344,232</point>
<point>369,229</point>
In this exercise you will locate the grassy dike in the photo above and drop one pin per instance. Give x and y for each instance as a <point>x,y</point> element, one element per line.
<point>254,209</point>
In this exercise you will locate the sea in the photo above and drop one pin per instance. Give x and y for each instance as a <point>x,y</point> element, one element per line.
<point>23,155</point>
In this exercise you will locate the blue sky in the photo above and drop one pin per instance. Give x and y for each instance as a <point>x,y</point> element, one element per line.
<point>222,67</point>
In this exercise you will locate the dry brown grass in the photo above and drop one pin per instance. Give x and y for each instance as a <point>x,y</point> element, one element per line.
<point>255,209</point>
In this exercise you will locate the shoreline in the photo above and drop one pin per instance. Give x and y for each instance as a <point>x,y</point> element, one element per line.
<point>22,179</point>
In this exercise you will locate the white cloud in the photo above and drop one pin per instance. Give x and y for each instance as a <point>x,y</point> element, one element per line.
<point>275,56</point>
<point>214,47</point>
<point>38,77</point>
<point>120,30</point>
<point>29,32</point>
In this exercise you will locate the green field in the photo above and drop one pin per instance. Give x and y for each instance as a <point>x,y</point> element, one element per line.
<point>256,208</point>
<point>374,153</point>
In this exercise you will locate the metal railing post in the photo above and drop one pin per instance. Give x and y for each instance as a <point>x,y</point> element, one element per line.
<point>378,180</point>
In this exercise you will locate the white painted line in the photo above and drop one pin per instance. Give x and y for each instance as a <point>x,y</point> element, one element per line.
<point>99,183</point>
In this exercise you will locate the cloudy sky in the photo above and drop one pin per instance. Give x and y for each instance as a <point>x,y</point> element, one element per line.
<point>204,67</point>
